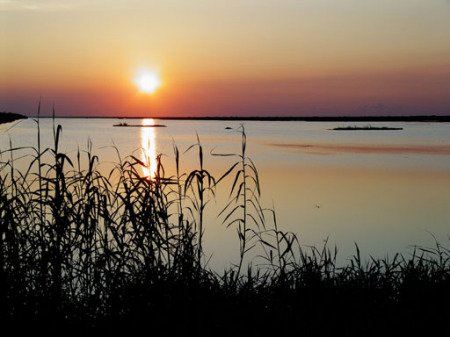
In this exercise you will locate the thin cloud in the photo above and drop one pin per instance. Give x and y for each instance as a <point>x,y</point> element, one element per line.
<point>63,5</point>
<point>20,5</point>
<point>43,5</point>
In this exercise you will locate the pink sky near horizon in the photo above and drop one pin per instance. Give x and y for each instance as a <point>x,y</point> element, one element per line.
<point>227,58</point>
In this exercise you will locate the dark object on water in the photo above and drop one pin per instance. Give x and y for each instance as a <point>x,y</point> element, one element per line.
<point>228,128</point>
<point>358,128</point>
<point>141,126</point>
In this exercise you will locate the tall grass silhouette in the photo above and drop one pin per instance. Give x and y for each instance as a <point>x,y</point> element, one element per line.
<point>83,250</point>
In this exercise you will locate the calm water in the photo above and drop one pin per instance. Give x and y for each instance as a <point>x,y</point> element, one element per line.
<point>385,190</point>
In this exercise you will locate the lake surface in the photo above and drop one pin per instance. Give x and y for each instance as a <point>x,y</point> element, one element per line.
<point>386,190</point>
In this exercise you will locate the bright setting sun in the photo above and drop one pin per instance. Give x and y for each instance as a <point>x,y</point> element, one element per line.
<point>147,81</point>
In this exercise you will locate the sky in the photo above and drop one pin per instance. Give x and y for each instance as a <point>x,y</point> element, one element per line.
<point>226,58</point>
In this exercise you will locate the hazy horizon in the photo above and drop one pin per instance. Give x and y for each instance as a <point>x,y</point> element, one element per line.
<point>380,118</point>
<point>226,58</point>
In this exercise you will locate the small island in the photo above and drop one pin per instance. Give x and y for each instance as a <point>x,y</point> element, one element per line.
<point>140,125</point>
<point>359,128</point>
<point>7,117</point>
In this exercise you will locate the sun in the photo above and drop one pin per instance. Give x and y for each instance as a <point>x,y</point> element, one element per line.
<point>147,81</point>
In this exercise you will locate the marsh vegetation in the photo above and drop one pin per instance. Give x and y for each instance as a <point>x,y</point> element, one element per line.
<point>82,251</point>
<point>364,128</point>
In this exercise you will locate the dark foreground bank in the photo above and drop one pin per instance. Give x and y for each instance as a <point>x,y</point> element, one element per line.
<point>312,299</point>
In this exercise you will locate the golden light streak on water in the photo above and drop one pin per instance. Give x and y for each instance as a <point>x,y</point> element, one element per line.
<point>148,143</point>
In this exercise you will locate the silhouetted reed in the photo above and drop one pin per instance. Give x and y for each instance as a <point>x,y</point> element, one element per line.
<point>85,250</point>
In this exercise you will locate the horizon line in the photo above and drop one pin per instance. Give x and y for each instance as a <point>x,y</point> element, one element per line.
<point>409,118</point>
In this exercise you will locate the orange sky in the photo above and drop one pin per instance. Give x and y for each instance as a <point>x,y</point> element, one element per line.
<point>227,58</point>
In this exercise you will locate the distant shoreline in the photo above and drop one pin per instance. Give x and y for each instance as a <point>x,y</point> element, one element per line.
<point>363,128</point>
<point>8,117</point>
<point>431,118</point>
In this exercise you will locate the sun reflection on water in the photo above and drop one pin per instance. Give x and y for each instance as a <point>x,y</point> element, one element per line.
<point>148,143</point>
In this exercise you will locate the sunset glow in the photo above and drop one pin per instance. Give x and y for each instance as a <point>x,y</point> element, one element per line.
<point>270,58</point>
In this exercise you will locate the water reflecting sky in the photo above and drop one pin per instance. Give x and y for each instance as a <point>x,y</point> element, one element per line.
<point>384,190</point>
